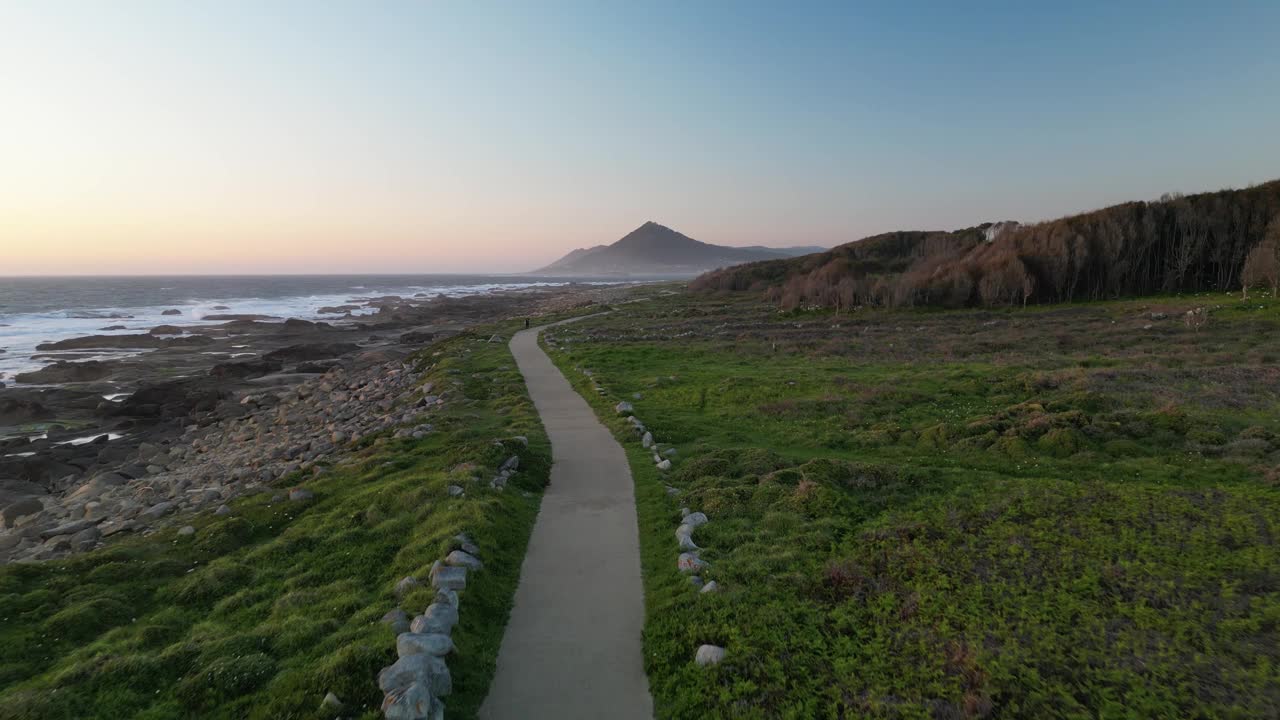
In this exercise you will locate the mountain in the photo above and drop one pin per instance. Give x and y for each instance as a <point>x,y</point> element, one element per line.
<point>1177,244</point>
<point>654,249</point>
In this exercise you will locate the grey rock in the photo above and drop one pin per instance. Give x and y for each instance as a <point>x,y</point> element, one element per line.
<point>448,597</point>
<point>684,534</point>
<point>412,643</point>
<point>408,670</point>
<point>463,559</point>
<point>301,494</point>
<point>86,538</point>
<point>688,562</point>
<point>448,578</point>
<point>669,452</point>
<point>411,702</point>
<point>438,618</point>
<point>157,511</point>
<point>697,519</point>
<point>70,528</point>
<point>647,440</point>
<point>624,408</point>
<point>696,581</point>
<point>512,463</point>
<point>21,508</point>
<point>222,510</point>
<point>406,584</point>
<point>709,655</point>
<point>331,700</point>
<point>456,491</point>
<point>664,465</point>
<point>187,530</point>
<point>710,587</point>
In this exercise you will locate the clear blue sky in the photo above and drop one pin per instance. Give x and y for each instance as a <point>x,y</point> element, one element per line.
<point>457,136</point>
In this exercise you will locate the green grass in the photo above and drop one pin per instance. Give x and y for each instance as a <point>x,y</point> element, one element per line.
<point>262,612</point>
<point>1043,513</point>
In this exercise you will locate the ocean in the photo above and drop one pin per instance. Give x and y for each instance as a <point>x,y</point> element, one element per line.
<point>35,310</point>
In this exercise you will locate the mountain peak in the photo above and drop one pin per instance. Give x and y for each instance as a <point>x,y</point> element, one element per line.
<point>655,249</point>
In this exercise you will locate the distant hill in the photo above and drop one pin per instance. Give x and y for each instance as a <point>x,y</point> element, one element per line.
<point>654,249</point>
<point>1191,243</point>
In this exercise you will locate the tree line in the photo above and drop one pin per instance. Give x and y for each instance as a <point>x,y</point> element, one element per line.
<point>1213,241</point>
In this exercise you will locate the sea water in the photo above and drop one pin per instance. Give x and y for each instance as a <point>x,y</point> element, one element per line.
<point>35,310</point>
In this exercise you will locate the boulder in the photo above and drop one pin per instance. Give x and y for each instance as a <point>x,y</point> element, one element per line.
<point>647,441</point>
<point>684,534</point>
<point>463,559</point>
<point>157,511</point>
<point>172,311</point>
<point>688,562</point>
<point>86,538</point>
<point>21,508</point>
<point>437,618</point>
<point>664,465</point>
<point>310,352</point>
<point>709,655</point>
<point>694,520</point>
<point>66,372</point>
<point>412,643</point>
<point>411,702</point>
<point>445,577</point>
<point>165,330</point>
<point>428,670</point>
<point>624,408</point>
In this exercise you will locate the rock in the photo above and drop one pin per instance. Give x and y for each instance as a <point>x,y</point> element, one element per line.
<point>412,702</point>
<point>86,538</point>
<point>70,528</point>
<point>398,621</point>
<point>437,618</point>
<point>697,519</point>
<point>416,337</point>
<point>688,562</point>
<point>664,465</point>
<point>463,559</point>
<point>448,577</point>
<point>331,700</point>
<point>157,511</point>
<point>406,584</point>
<point>21,508</point>
<point>709,655</point>
<point>637,396</point>
<point>695,581</point>
<point>412,643</point>
<point>669,452</point>
<point>186,530</point>
<point>684,534</point>
<point>647,441</point>
<point>624,408</point>
<point>522,440</point>
<point>338,437</point>
<point>309,353</point>
<point>420,668</point>
<point>301,495</point>
<point>456,491</point>
<point>710,587</point>
<point>165,330</point>
<point>66,372</point>
<point>512,463</point>
<point>222,510</point>
<point>172,311</point>
<point>448,597</point>
<point>495,339</point>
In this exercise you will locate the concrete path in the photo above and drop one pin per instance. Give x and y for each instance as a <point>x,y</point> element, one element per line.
<point>572,647</point>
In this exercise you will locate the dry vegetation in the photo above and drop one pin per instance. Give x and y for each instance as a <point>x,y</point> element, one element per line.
<point>1193,243</point>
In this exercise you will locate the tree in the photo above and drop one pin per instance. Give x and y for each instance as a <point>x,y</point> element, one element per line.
<point>1262,266</point>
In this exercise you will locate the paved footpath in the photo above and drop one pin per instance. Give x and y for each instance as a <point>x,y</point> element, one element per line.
<point>572,646</point>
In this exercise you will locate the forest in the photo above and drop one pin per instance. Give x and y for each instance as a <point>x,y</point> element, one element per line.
<point>1213,241</point>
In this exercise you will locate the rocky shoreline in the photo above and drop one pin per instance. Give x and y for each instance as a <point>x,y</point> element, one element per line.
<point>131,444</point>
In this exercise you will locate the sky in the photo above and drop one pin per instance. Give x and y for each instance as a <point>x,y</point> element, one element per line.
<point>226,137</point>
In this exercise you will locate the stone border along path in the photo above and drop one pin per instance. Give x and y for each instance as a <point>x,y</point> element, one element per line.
<point>572,647</point>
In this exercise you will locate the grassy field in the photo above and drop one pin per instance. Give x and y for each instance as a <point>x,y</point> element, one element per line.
<point>1065,511</point>
<point>264,611</point>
